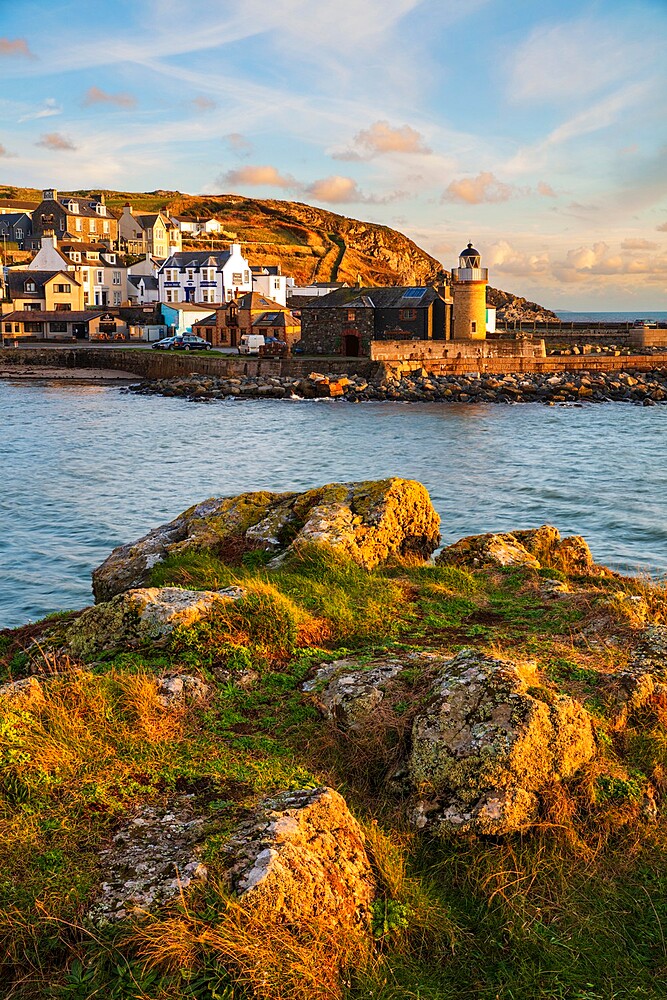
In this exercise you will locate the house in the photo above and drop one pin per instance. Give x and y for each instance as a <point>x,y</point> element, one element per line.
<point>180,317</point>
<point>269,281</point>
<point>73,218</point>
<point>152,233</point>
<point>204,276</point>
<point>250,313</point>
<point>346,320</point>
<point>142,289</point>
<point>196,227</point>
<point>12,206</point>
<point>315,290</point>
<point>52,324</point>
<point>103,276</point>
<point>57,291</point>
<point>15,227</point>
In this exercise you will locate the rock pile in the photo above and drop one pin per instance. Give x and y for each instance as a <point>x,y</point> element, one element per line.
<point>368,521</point>
<point>535,548</point>
<point>630,386</point>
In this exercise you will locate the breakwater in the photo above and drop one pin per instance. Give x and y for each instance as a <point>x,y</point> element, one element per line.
<point>632,386</point>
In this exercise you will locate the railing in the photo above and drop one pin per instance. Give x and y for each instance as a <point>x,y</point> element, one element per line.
<point>470,274</point>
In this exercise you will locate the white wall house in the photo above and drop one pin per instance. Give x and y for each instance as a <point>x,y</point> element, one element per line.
<point>206,277</point>
<point>270,282</point>
<point>195,227</point>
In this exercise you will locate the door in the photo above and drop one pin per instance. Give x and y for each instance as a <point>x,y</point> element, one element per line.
<point>351,344</point>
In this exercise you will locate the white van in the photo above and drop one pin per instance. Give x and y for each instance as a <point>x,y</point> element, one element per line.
<point>251,343</point>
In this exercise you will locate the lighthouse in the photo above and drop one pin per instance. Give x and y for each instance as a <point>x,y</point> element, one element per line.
<point>469,281</point>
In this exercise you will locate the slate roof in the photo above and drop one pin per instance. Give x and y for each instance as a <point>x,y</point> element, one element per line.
<point>16,280</point>
<point>85,208</point>
<point>150,282</point>
<point>196,259</point>
<point>18,206</point>
<point>283,319</point>
<point>394,297</point>
<point>255,300</point>
<point>206,321</point>
<point>11,218</point>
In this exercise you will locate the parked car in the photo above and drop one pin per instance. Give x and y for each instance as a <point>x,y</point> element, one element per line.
<point>188,342</point>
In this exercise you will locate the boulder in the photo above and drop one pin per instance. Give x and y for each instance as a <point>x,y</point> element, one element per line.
<point>348,698</point>
<point>150,861</point>
<point>301,857</point>
<point>178,689</point>
<point>26,689</point>
<point>369,521</point>
<point>486,745</point>
<point>143,615</point>
<point>535,548</point>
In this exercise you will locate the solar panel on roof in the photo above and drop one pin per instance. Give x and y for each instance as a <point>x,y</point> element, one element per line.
<point>413,293</point>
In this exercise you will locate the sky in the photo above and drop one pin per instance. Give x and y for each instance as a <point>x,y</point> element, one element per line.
<point>536,130</point>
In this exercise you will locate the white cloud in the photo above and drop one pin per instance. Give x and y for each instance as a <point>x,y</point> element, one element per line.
<point>259,176</point>
<point>49,109</point>
<point>382,138</point>
<point>638,244</point>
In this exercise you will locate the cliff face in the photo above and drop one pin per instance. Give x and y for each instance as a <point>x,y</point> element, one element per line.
<point>309,243</point>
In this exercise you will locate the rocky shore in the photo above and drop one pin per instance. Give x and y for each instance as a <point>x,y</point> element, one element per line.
<point>630,386</point>
<point>291,753</point>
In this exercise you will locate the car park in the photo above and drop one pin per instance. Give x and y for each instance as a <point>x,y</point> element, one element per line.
<point>188,342</point>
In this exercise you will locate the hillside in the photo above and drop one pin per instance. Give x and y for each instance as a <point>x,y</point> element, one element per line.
<point>309,243</point>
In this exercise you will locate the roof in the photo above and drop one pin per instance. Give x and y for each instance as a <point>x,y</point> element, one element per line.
<point>206,321</point>
<point>151,284</point>
<point>183,218</point>
<point>184,306</point>
<point>41,315</point>
<point>18,206</point>
<point>85,208</point>
<point>16,279</point>
<point>394,297</point>
<point>470,252</point>
<point>11,218</point>
<point>197,259</point>
<point>76,245</point>
<point>283,319</point>
<point>273,269</point>
<point>255,300</point>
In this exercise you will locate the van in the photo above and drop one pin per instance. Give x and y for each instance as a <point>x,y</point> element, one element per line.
<point>251,343</point>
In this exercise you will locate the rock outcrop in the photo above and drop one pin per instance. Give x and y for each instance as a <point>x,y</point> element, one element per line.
<point>142,615</point>
<point>535,548</point>
<point>484,745</point>
<point>301,857</point>
<point>368,521</point>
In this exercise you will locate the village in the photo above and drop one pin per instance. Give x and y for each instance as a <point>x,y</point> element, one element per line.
<point>95,275</point>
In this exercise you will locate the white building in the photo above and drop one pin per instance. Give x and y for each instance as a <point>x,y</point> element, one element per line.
<point>268,281</point>
<point>204,276</point>
<point>103,277</point>
<point>196,227</point>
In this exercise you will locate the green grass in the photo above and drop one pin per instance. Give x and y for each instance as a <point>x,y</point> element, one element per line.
<point>574,910</point>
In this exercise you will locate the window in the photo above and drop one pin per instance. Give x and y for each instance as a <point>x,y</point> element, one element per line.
<point>19,234</point>
<point>75,256</point>
<point>31,306</point>
<point>246,277</point>
<point>8,327</point>
<point>32,327</point>
<point>191,275</point>
<point>351,315</point>
<point>30,286</point>
<point>62,307</point>
<point>276,282</point>
<point>58,327</point>
<point>407,314</point>
<point>62,225</point>
<point>92,226</point>
<point>116,298</point>
<point>62,289</point>
<point>115,278</point>
<point>473,326</point>
<point>99,277</point>
<point>77,224</point>
<point>105,227</point>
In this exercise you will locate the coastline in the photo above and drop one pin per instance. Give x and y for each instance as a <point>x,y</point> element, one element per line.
<point>40,373</point>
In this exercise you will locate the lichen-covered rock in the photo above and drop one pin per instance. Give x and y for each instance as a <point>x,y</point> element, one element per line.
<point>348,696</point>
<point>485,746</point>
<point>150,861</point>
<point>177,689</point>
<point>26,689</point>
<point>645,676</point>
<point>369,521</point>
<point>301,857</point>
<point>147,614</point>
<point>535,548</point>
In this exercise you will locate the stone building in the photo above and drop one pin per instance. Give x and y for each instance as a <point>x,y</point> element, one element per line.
<point>347,320</point>
<point>149,232</point>
<point>250,313</point>
<point>86,220</point>
<point>469,281</point>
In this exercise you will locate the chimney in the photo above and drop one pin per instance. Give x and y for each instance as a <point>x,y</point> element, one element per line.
<point>100,198</point>
<point>49,239</point>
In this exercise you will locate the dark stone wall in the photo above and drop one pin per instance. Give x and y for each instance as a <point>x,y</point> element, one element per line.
<point>322,330</point>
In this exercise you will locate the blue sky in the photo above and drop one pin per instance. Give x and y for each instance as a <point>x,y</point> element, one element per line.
<point>537,130</point>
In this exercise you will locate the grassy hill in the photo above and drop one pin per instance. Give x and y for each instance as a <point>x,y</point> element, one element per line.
<point>309,243</point>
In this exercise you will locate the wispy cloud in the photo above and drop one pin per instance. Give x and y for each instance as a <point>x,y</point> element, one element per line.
<point>546,190</point>
<point>15,47</point>
<point>238,144</point>
<point>381,138</point>
<point>202,103</point>
<point>49,109</point>
<point>639,244</point>
<point>4,152</point>
<point>95,95</point>
<point>56,142</point>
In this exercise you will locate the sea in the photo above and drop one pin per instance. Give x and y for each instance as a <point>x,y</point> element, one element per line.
<point>610,317</point>
<point>84,468</point>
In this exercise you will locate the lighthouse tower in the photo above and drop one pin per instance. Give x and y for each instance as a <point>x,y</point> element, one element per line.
<point>469,281</point>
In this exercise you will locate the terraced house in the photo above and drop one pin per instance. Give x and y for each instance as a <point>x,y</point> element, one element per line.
<point>202,276</point>
<point>70,217</point>
<point>152,233</point>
